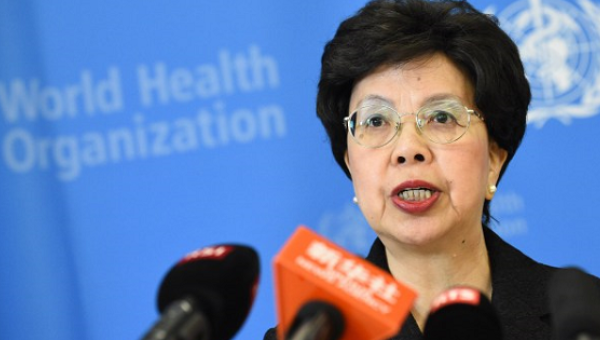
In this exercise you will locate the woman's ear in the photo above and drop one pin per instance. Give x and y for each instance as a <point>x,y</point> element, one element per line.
<point>497,158</point>
<point>346,159</point>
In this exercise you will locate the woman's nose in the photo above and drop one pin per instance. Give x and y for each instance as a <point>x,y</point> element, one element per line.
<point>410,145</point>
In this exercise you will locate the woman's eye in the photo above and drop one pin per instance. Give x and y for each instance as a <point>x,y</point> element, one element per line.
<point>441,117</point>
<point>375,121</point>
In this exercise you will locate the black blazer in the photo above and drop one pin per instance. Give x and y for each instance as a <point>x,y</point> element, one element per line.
<point>519,296</point>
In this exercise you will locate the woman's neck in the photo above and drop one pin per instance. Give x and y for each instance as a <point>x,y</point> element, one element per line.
<point>431,271</point>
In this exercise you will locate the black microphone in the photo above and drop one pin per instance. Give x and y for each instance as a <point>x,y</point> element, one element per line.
<point>574,298</point>
<point>462,313</point>
<point>207,295</point>
<point>317,320</point>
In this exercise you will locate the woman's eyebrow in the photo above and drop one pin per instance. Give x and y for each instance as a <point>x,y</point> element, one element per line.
<point>439,97</point>
<point>375,98</point>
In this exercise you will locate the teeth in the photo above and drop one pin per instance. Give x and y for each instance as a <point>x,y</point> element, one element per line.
<point>415,194</point>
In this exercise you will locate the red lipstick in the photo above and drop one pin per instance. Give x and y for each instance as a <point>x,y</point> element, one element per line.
<point>415,196</point>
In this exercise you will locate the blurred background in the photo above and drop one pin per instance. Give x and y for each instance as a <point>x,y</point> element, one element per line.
<point>135,132</point>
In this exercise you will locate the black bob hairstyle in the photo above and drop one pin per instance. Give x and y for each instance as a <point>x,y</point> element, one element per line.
<point>393,32</point>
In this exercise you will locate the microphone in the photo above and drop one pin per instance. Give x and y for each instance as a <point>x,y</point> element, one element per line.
<point>317,320</point>
<point>574,299</point>
<point>462,313</point>
<point>207,295</point>
<point>325,293</point>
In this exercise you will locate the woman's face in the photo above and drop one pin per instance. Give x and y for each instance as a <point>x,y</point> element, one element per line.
<point>453,179</point>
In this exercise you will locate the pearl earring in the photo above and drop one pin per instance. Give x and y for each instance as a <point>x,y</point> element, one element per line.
<point>493,189</point>
<point>355,200</point>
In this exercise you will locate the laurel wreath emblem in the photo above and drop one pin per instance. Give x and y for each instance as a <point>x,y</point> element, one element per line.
<point>560,45</point>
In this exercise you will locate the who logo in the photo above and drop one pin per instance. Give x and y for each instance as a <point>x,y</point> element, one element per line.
<point>559,42</point>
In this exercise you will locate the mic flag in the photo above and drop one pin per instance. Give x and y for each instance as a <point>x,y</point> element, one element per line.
<point>310,267</point>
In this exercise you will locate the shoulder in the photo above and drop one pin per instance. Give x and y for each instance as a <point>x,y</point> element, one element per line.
<point>521,290</point>
<point>509,263</point>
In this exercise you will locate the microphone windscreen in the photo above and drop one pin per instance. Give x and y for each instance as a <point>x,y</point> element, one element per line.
<point>574,299</point>
<point>221,279</point>
<point>462,313</point>
<point>317,320</point>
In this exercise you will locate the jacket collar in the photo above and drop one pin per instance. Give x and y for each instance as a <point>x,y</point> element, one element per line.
<point>520,284</point>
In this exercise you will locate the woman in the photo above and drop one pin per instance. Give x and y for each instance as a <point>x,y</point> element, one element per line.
<point>425,104</point>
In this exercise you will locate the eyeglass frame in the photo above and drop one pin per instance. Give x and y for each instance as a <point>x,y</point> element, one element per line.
<point>398,128</point>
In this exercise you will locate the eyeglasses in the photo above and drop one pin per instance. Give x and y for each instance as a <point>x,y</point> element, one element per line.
<point>441,121</point>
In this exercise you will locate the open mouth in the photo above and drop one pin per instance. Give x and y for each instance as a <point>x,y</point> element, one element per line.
<point>415,194</point>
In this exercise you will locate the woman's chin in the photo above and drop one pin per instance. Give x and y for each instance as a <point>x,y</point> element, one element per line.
<point>421,238</point>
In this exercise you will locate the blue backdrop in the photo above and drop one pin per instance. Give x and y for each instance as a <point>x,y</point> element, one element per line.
<point>135,132</point>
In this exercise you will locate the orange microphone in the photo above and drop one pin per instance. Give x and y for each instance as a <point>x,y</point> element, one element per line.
<point>324,292</point>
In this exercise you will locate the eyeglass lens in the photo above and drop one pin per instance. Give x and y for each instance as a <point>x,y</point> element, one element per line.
<point>442,121</point>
